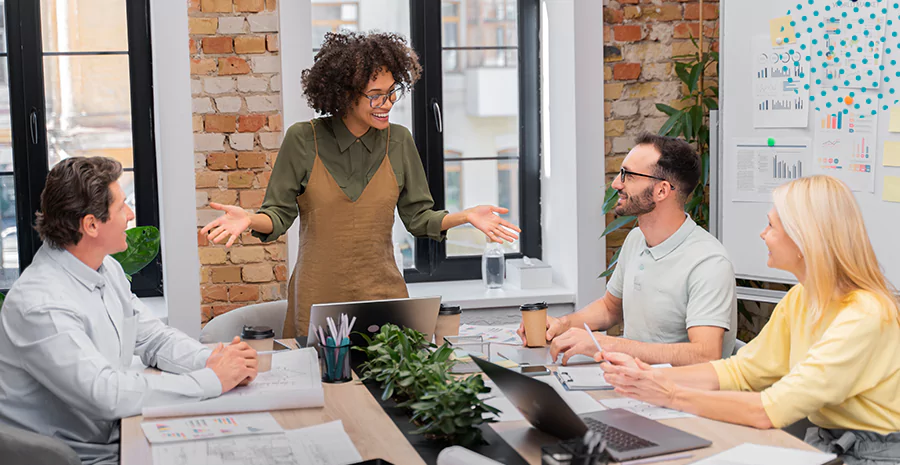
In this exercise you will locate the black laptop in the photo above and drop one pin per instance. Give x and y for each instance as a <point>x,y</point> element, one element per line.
<point>628,436</point>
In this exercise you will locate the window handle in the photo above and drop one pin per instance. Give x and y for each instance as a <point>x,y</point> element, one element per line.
<point>34,126</point>
<point>438,120</point>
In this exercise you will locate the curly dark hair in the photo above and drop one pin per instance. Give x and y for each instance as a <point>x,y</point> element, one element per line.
<point>75,187</point>
<point>348,61</point>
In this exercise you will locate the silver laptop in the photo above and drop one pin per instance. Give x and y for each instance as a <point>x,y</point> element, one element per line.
<point>419,313</point>
<point>628,436</point>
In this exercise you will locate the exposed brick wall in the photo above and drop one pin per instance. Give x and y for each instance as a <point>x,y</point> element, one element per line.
<point>640,39</point>
<point>237,122</point>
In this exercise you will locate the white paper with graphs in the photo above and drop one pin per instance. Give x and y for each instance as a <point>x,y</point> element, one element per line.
<point>293,382</point>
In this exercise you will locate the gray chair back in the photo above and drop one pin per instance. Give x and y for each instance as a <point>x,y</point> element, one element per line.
<point>737,345</point>
<point>226,326</point>
<point>20,447</point>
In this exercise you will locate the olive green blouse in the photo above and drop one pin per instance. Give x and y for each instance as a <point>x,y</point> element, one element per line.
<point>352,162</point>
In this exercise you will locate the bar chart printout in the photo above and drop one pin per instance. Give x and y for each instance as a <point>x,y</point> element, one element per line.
<point>845,148</point>
<point>761,168</point>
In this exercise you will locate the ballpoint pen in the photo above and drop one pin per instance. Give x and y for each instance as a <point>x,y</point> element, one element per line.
<point>588,329</point>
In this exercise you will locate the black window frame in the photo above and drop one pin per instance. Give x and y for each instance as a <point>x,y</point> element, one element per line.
<point>431,260</point>
<point>25,60</point>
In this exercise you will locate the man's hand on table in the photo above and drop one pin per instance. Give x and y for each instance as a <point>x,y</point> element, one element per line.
<point>235,364</point>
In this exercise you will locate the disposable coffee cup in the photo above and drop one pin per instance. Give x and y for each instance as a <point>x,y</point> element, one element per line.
<point>447,323</point>
<point>262,340</point>
<point>534,318</point>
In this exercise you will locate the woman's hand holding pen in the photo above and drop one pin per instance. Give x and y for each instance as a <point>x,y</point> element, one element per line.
<point>485,218</point>
<point>234,222</point>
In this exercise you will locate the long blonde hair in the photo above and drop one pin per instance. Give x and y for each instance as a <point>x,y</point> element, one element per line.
<point>821,216</point>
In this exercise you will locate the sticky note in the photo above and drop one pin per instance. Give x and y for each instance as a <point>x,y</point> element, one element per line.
<point>891,191</point>
<point>895,119</point>
<point>891,154</point>
<point>781,28</point>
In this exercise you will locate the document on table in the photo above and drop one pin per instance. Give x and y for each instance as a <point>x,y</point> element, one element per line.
<point>495,334</point>
<point>587,378</point>
<point>325,444</point>
<point>193,428</point>
<point>752,454</point>
<point>293,382</point>
<point>644,409</point>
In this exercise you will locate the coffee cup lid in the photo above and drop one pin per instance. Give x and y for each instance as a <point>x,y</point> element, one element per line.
<point>533,306</point>
<point>257,332</point>
<point>450,310</point>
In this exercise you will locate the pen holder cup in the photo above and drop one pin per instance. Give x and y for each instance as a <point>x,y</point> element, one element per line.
<point>334,362</point>
<point>571,453</point>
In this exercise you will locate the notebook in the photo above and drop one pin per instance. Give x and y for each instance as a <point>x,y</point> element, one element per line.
<point>753,454</point>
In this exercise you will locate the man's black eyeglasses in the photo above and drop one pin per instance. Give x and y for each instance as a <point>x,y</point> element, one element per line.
<point>623,172</point>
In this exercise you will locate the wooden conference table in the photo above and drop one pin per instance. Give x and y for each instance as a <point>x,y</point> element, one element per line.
<point>376,436</point>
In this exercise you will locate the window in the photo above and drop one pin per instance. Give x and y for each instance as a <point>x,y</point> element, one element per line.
<point>474,114</point>
<point>79,74</point>
<point>333,16</point>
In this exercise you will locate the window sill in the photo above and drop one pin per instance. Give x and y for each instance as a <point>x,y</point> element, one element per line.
<point>473,294</point>
<point>157,307</point>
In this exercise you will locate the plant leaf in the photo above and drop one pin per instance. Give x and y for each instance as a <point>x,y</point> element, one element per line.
<point>617,223</point>
<point>667,127</point>
<point>143,247</point>
<point>693,77</point>
<point>610,200</point>
<point>666,109</point>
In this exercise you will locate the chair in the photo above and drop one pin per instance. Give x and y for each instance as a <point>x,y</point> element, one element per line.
<point>21,447</point>
<point>226,326</point>
<point>737,345</point>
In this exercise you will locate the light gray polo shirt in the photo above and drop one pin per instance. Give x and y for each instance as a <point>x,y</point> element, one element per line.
<point>685,281</point>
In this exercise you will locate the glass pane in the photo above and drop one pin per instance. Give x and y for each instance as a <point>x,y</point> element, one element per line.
<point>481,182</point>
<point>3,34</point>
<point>6,154</point>
<point>127,183</point>
<point>9,255</point>
<point>84,25</point>
<point>88,107</point>
<point>481,113</point>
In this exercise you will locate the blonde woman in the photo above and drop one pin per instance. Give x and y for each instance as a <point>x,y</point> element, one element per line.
<point>830,352</point>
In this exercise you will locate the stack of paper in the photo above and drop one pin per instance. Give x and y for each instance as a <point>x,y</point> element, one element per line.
<point>644,409</point>
<point>293,382</point>
<point>325,444</point>
<point>752,454</point>
<point>495,334</point>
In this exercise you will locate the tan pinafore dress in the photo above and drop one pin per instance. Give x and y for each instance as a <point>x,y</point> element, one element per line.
<point>346,247</point>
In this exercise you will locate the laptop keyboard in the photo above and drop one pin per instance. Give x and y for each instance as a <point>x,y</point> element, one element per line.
<point>617,439</point>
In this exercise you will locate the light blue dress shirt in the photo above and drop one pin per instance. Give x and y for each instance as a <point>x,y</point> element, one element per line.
<point>68,334</point>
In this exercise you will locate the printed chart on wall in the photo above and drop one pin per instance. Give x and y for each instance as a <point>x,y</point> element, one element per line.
<point>845,147</point>
<point>761,167</point>
<point>781,99</point>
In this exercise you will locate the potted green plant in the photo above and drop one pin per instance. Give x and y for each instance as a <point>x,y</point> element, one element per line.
<point>415,373</point>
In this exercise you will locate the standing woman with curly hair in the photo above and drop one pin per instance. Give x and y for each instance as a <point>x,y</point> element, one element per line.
<point>344,174</point>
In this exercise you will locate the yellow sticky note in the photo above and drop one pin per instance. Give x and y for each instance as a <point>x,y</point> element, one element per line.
<point>891,189</point>
<point>895,120</point>
<point>891,154</point>
<point>781,32</point>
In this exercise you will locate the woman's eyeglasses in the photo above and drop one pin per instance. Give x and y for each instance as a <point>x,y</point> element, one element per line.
<point>380,100</point>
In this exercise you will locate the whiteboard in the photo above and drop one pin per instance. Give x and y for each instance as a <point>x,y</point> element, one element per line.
<point>741,222</point>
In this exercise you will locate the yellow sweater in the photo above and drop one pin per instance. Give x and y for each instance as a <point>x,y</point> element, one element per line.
<point>844,373</point>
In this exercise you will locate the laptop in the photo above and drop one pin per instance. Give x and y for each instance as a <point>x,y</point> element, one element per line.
<point>419,313</point>
<point>628,436</point>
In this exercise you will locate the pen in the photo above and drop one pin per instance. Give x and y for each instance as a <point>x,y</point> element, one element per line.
<point>586,328</point>
<point>662,458</point>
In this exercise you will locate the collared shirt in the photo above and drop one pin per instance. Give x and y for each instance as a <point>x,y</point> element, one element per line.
<point>685,281</point>
<point>68,334</point>
<point>841,373</point>
<point>352,162</point>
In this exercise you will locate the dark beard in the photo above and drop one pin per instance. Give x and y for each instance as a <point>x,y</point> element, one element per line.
<point>640,204</point>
